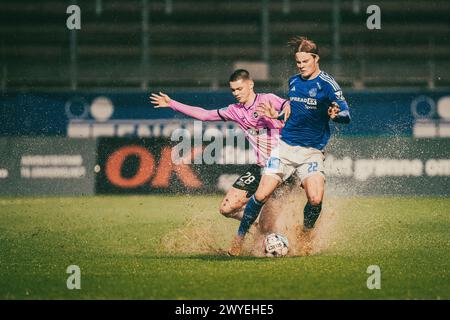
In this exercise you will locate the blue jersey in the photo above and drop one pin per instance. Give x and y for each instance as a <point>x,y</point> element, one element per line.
<point>308,124</point>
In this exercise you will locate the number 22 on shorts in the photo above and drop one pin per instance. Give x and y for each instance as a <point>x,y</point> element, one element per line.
<point>312,166</point>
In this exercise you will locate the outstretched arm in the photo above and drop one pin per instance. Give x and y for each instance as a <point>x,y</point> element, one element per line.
<point>162,100</point>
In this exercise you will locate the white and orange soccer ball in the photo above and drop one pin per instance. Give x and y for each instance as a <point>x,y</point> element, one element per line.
<point>276,245</point>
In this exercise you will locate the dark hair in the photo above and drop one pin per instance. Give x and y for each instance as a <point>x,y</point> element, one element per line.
<point>303,44</point>
<point>239,74</point>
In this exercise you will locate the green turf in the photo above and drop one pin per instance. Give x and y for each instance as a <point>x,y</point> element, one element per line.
<point>116,241</point>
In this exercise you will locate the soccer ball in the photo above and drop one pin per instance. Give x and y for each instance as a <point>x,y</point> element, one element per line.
<point>276,245</point>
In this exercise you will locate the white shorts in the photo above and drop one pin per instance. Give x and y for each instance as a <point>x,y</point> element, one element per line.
<point>286,159</point>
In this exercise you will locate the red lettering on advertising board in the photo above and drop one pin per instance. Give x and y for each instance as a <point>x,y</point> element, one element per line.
<point>115,163</point>
<point>146,169</point>
<point>183,171</point>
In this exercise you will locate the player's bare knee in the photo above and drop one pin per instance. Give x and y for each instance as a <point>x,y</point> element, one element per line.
<point>225,209</point>
<point>314,200</point>
<point>262,196</point>
<point>228,209</point>
<point>228,212</point>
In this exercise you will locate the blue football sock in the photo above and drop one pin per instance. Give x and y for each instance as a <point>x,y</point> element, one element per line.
<point>311,214</point>
<point>251,212</point>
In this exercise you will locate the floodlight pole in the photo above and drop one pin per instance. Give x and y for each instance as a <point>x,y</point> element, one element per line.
<point>145,45</point>
<point>286,7</point>
<point>168,8</point>
<point>431,64</point>
<point>265,36</point>
<point>356,6</point>
<point>4,77</point>
<point>98,7</point>
<point>73,57</point>
<point>336,34</point>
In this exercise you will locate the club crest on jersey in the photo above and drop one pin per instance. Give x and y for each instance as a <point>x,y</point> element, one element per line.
<point>255,115</point>
<point>312,92</point>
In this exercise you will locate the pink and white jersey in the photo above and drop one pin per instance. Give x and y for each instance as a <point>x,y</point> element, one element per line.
<point>262,132</point>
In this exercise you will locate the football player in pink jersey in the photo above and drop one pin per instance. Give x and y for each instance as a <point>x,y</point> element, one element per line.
<point>262,132</point>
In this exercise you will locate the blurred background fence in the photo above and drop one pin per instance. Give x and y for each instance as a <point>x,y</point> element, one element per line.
<point>195,44</point>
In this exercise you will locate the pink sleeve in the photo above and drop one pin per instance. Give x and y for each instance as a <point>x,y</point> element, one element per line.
<point>227,113</point>
<point>276,101</point>
<point>196,112</point>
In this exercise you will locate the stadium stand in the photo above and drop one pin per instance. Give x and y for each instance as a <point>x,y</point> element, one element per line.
<point>196,43</point>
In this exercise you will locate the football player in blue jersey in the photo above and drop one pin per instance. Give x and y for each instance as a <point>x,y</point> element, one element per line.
<point>315,98</point>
